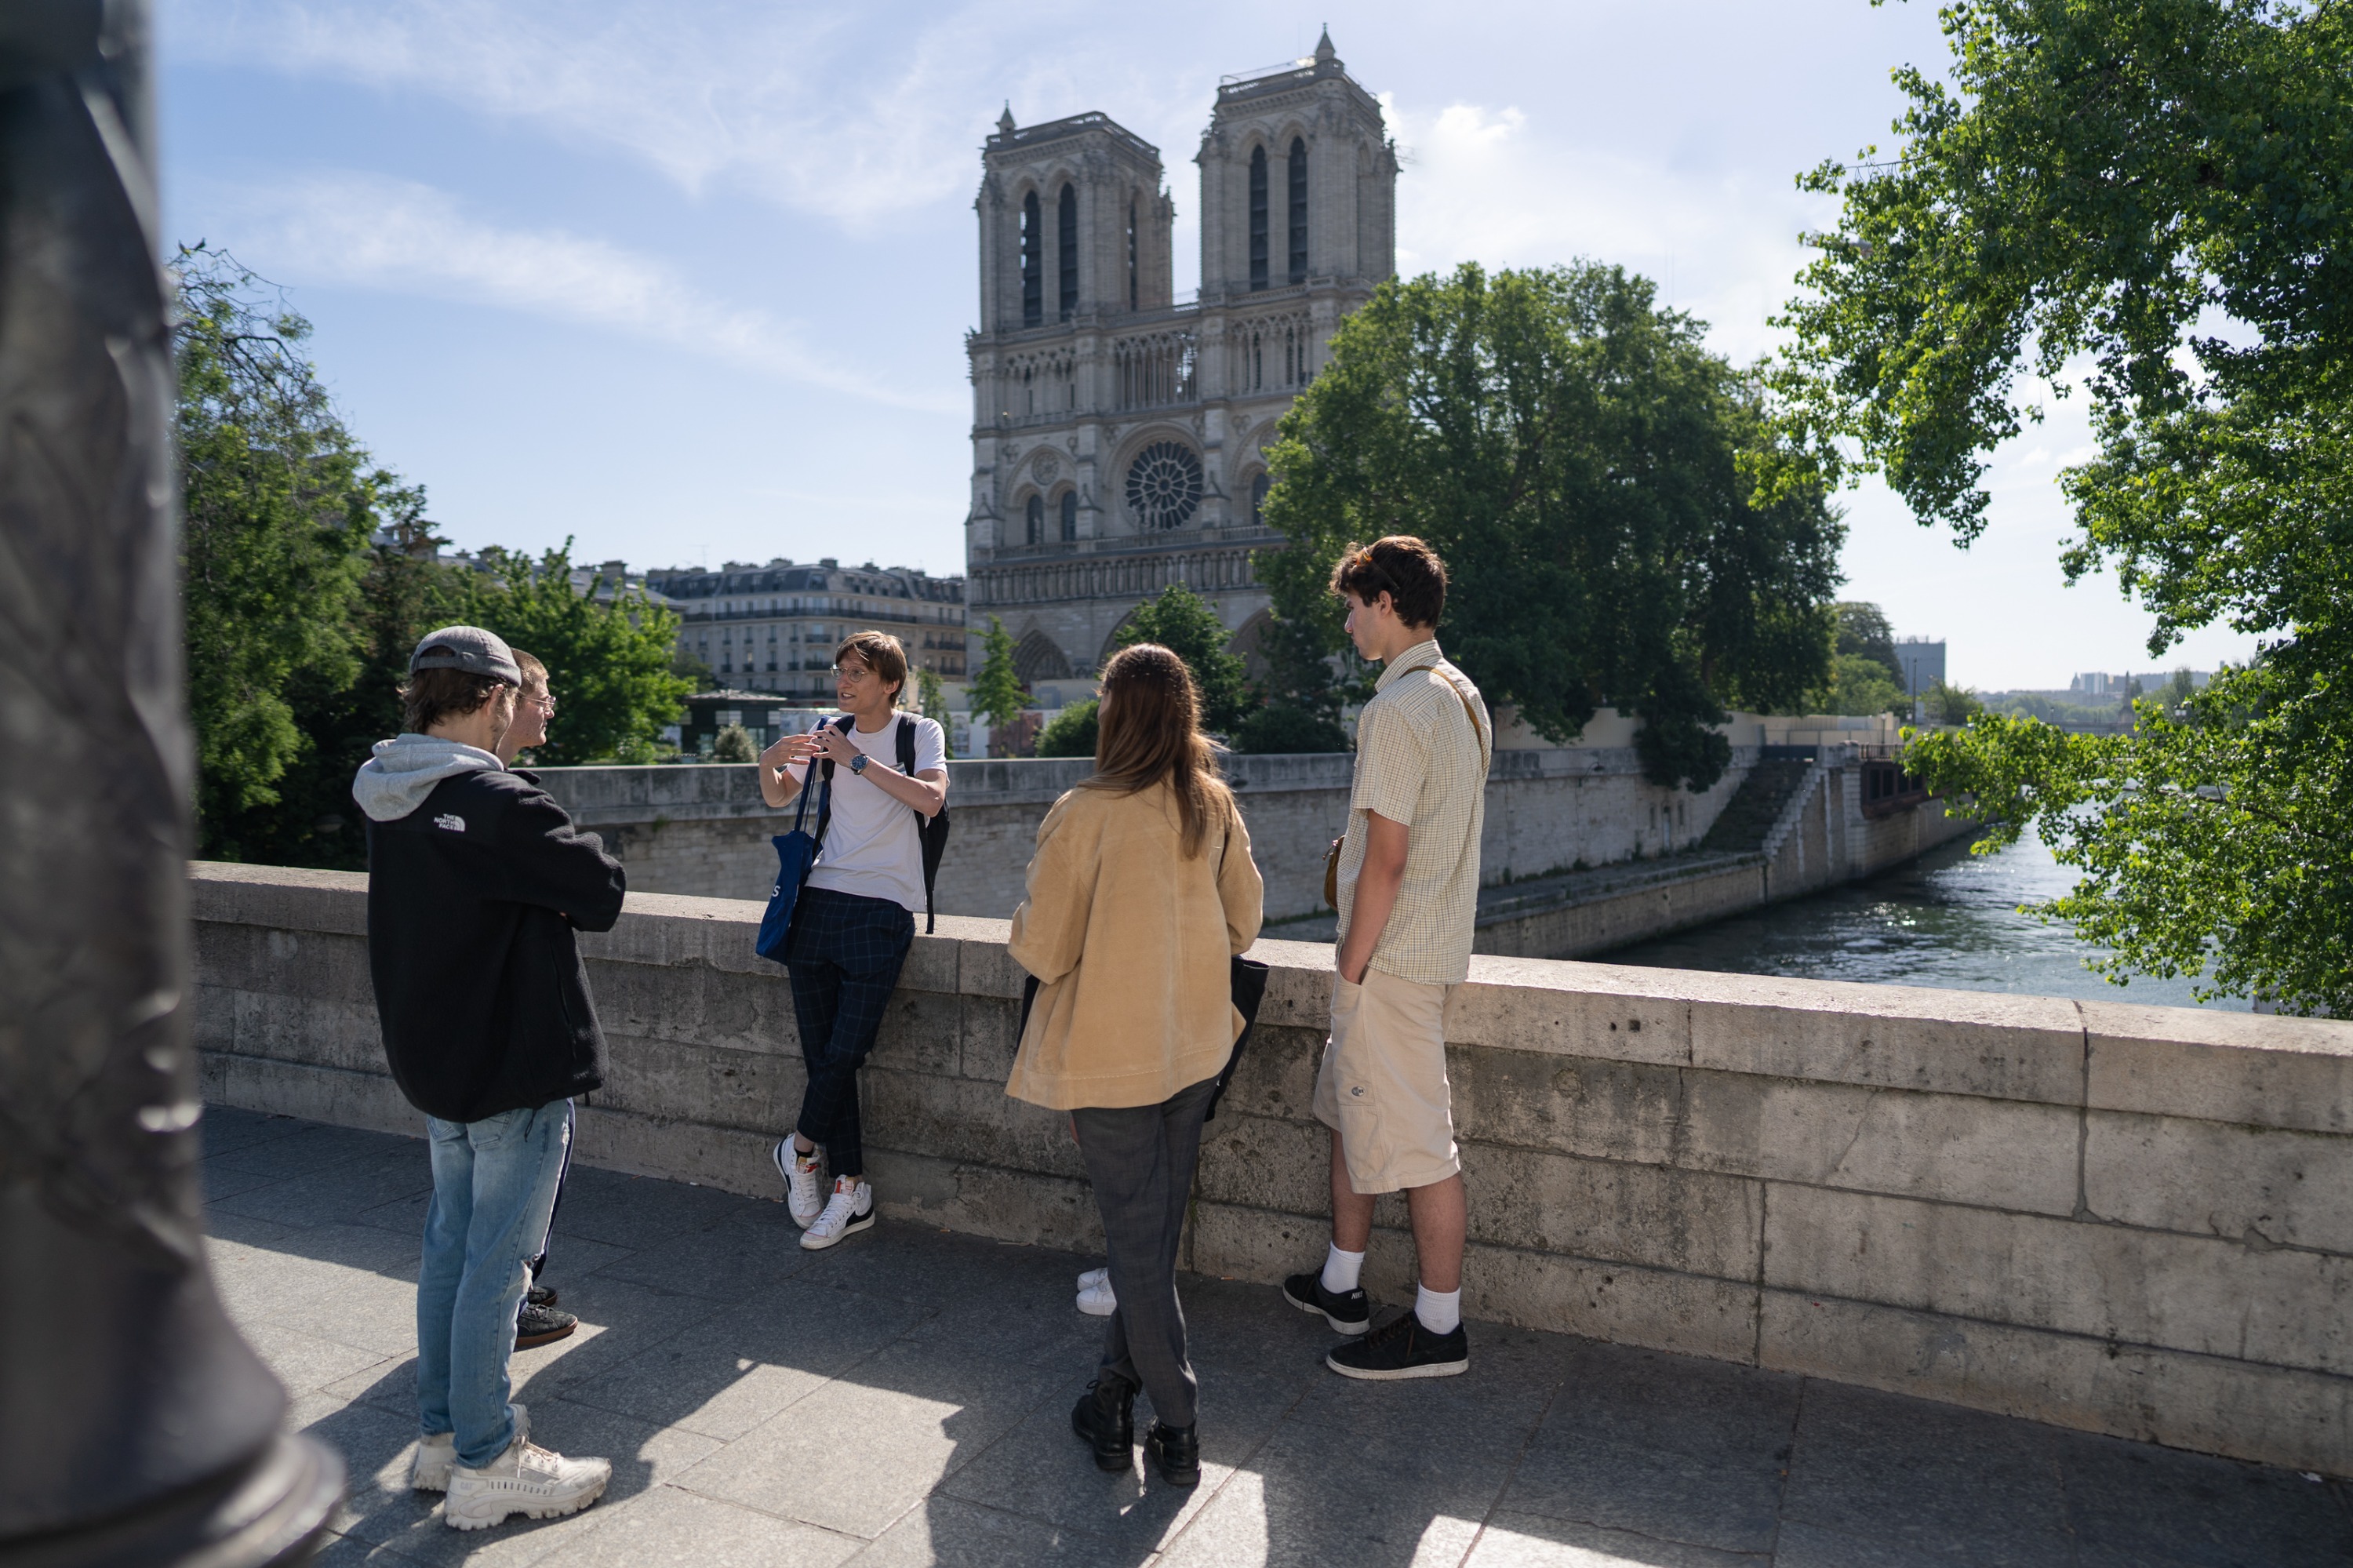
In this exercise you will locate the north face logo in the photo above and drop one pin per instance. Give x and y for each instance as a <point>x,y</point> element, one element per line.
<point>450,821</point>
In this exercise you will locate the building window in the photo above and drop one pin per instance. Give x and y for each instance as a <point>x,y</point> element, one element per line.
<point>1133,293</point>
<point>1163,485</point>
<point>1257,217</point>
<point>1037,520</point>
<point>1067,221</point>
<point>1033,264</point>
<point>1070,516</point>
<point>1259,487</point>
<point>1298,210</point>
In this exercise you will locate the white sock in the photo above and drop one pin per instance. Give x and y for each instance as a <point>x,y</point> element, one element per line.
<point>1340,1270</point>
<point>1441,1311</point>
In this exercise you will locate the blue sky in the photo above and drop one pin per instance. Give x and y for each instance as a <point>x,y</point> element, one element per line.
<point>688,281</point>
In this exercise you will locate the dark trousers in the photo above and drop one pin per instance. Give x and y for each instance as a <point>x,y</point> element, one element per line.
<point>844,956</point>
<point>1141,1160</point>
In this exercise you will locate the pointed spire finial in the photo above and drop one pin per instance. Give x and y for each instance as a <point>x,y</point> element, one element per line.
<point>1324,53</point>
<point>1004,120</point>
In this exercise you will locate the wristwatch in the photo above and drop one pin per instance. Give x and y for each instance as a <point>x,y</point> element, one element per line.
<point>857,763</point>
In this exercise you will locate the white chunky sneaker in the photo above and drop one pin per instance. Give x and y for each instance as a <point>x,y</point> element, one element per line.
<point>802,1193</point>
<point>429,1472</point>
<point>1096,1298</point>
<point>847,1212</point>
<point>526,1479</point>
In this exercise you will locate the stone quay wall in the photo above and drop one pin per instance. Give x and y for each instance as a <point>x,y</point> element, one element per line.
<point>703,829</point>
<point>2123,1219</point>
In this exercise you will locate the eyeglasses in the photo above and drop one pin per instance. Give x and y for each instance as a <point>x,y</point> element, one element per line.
<point>545,702</point>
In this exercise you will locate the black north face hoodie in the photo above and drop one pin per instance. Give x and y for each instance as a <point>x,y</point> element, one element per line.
<point>474,893</point>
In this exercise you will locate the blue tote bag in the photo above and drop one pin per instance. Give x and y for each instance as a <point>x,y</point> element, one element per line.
<point>796,854</point>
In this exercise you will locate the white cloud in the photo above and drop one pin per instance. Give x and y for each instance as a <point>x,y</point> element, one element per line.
<point>407,237</point>
<point>1486,183</point>
<point>844,112</point>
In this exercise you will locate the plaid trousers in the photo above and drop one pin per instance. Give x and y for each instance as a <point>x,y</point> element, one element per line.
<point>844,955</point>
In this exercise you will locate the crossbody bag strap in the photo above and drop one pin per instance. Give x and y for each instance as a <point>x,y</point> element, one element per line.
<point>1478,732</point>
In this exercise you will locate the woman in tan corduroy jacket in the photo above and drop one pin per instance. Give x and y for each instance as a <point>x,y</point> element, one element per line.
<point>1140,893</point>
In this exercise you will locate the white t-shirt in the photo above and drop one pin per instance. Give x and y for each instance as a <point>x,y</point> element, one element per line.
<point>871,846</point>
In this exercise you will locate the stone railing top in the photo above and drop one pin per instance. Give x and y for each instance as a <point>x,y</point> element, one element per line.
<point>2249,1068</point>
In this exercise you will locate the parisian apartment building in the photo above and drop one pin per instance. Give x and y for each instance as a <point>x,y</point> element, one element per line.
<point>773,628</point>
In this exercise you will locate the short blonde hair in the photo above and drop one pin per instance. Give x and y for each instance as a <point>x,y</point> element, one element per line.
<point>881,652</point>
<point>534,674</point>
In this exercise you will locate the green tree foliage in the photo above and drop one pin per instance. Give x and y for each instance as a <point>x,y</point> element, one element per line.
<point>1860,685</point>
<point>1071,733</point>
<point>608,657</point>
<point>1300,699</point>
<point>1863,628</point>
<point>1621,519</point>
<point>733,743</point>
<point>278,501</point>
<point>1949,705</point>
<point>931,695</point>
<point>310,573</point>
<point>1183,622</point>
<point>2154,191</point>
<point>998,694</point>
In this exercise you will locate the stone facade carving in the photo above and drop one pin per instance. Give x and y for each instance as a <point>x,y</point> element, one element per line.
<point>1083,346</point>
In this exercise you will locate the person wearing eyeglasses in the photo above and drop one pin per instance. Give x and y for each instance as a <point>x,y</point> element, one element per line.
<point>854,919</point>
<point>537,1322</point>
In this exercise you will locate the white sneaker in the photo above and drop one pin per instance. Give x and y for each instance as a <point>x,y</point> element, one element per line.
<point>429,1472</point>
<point>799,1171</point>
<point>526,1479</point>
<point>847,1212</point>
<point>1095,1296</point>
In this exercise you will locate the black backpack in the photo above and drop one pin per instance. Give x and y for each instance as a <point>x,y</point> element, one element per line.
<point>931,832</point>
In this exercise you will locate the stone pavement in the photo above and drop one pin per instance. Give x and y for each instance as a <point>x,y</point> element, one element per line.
<point>904,1399</point>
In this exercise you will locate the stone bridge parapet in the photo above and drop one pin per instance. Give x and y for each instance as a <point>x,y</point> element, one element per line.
<point>2123,1219</point>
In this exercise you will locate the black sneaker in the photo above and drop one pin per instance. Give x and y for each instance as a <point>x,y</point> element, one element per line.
<point>1349,1312</point>
<point>1105,1417</point>
<point>540,1296</point>
<point>1403,1348</point>
<point>1176,1452</point>
<point>541,1326</point>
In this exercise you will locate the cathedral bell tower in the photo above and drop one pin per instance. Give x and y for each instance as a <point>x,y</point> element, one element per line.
<point>1119,436</point>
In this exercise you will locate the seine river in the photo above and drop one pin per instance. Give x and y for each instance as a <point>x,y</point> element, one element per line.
<point>1949,918</point>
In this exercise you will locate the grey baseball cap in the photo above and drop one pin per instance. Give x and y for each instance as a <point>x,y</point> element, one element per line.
<point>467,648</point>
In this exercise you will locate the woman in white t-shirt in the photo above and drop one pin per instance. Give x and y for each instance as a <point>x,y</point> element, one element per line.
<point>854,919</point>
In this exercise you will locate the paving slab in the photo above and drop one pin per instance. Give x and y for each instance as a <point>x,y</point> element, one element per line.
<point>904,1399</point>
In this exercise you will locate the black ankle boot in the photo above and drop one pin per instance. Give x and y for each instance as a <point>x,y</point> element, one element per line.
<point>1178,1451</point>
<point>1105,1417</point>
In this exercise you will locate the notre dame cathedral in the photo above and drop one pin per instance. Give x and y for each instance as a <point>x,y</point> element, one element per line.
<point>1118,437</point>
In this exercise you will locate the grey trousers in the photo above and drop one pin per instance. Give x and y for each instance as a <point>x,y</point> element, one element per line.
<point>1141,1160</point>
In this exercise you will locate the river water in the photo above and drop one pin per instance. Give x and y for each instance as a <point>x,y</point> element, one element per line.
<point>1948,918</point>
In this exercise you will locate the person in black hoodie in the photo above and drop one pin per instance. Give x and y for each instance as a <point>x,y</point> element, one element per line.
<point>476,882</point>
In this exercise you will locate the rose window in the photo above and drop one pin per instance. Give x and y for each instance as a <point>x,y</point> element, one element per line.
<point>1163,485</point>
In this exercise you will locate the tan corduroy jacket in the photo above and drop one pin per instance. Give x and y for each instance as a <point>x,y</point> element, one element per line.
<point>1131,947</point>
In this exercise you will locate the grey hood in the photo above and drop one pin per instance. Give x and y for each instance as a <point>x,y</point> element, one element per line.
<point>404,770</point>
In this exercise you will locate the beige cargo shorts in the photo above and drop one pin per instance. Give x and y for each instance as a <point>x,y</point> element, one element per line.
<point>1382,1085</point>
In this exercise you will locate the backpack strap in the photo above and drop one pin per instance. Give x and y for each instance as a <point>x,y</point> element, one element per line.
<point>930,831</point>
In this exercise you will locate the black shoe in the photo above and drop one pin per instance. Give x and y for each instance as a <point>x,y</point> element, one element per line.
<point>1403,1348</point>
<point>1105,1417</point>
<point>541,1326</point>
<point>1177,1450</point>
<point>540,1296</point>
<point>1349,1312</point>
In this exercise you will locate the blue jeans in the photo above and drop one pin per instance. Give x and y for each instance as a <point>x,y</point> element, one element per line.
<point>493,1193</point>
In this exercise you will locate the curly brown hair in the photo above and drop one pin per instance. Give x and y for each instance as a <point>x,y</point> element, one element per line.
<point>1401,566</point>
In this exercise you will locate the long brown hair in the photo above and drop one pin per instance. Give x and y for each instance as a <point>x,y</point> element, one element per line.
<point>1150,730</point>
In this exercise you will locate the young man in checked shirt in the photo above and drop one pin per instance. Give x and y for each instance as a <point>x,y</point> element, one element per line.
<point>1408,890</point>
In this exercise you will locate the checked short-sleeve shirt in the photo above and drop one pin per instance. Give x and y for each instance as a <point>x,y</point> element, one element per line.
<point>1421,760</point>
